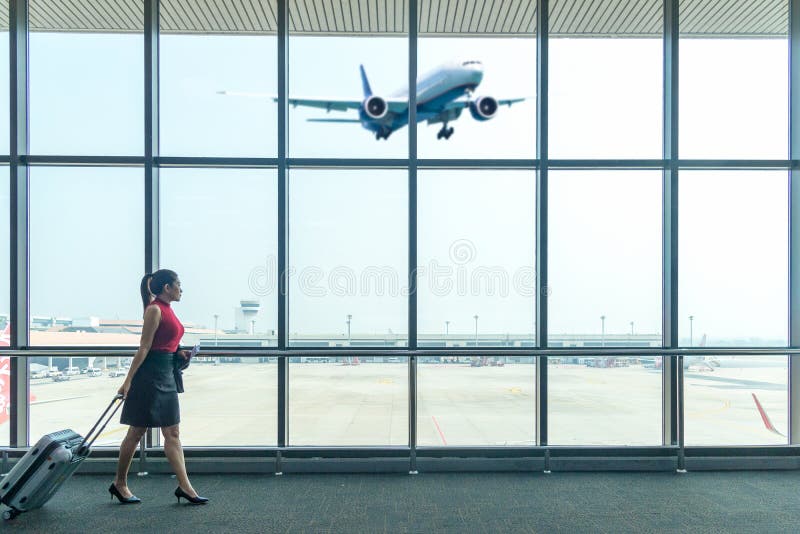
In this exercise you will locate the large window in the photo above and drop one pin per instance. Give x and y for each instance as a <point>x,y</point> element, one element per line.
<point>613,400</point>
<point>219,233</point>
<point>605,258</point>
<point>734,89</point>
<point>348,258</point>
<point>733,258</point>
<point>86,87</point>
<point>63,397</point>
<point>87,258</point>
<point>477,255</point>
<point>605,91</point>
<point>348,85</point>
<point>230,401</point>
<point>349,400</point>
<point>736,400</point>
<point>476,401</point>
<point>218,86</point>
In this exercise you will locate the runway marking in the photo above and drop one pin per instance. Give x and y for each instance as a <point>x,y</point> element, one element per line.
<point>725,406</point>
<point>58,400</point>
<point>516,391</point>
<point>386,381</point>
<point>441,434</point>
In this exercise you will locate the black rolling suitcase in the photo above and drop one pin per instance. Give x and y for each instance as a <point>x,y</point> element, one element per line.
<point>48,464</point>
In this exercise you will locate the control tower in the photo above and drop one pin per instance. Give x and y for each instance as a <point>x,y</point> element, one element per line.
<point>246,315</point>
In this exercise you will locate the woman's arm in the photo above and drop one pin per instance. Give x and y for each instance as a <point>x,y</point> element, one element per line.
<point>152,316</point>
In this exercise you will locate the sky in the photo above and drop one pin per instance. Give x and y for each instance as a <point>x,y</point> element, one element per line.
<point>348,228</point>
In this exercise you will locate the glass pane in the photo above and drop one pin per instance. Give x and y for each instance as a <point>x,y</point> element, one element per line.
<point>219,232</point>
<point>736,400</point>
<point>604,401</point>
<point>72,392</point>
<point>476,79</point>
<point>606,90</point>
<point>348,260</point>
<point>480,400</point>
<point>356,400</point>
<point>477,245</point>
<point>329,47</point>
<point>86,255</point>
<point>734,86</point>
<point>86,80</point>
<point>733,272</point>
<point>605,258</point>
<point>217,86</point>
<point>230,401</point>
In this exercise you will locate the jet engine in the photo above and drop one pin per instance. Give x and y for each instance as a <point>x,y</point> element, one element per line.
<point>375,107</point>
<point>483,108</point>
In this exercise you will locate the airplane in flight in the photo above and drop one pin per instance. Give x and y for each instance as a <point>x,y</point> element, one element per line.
<point>442,95</point>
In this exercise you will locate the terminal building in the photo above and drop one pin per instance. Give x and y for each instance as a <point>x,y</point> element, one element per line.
<point>435,238</point>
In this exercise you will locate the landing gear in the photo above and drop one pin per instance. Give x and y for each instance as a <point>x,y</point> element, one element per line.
<point>383,134</point>
<point>445,132</point>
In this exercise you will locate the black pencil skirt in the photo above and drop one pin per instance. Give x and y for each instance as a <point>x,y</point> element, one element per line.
<point>152,399</point>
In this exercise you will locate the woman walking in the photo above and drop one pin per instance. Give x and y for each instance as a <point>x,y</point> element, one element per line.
<point>150,391</point>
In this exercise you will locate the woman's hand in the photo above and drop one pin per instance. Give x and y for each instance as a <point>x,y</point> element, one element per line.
<point>123,389</point>
<point>185,354</point>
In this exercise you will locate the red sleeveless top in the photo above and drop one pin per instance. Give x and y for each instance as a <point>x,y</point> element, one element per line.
<point>170,330</point>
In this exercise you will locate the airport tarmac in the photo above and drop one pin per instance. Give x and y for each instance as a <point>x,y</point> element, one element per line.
<point>331,404</point>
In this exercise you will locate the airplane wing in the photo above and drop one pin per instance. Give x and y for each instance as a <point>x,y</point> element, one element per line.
<point>462,103</point>
<point>396,105</point>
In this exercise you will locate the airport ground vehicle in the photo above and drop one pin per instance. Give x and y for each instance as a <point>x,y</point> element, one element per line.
<point>72,371</point>
<point>94,371</point>
<point>59,377</point>
<point>114,373</point>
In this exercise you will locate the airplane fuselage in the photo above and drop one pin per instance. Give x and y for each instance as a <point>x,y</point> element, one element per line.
<point>434,90</point>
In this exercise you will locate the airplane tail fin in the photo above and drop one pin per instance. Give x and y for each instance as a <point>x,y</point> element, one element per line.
<point>365,82</point>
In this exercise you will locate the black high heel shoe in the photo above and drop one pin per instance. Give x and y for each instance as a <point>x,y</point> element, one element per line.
<point>133,499</point>
<point>194,500</point>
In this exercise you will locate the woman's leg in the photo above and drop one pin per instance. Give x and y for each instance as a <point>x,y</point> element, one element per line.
<point>174,452</point>
<point>126,451</point>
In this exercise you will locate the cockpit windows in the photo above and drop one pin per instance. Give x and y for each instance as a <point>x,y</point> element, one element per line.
<point>464,64</point>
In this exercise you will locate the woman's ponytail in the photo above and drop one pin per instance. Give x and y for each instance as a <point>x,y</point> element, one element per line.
<point>144,289</point>
<point>155,281</point>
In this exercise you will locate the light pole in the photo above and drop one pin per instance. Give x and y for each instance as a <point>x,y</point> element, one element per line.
<point>446,329</point>
<point>602,330</point>
<point>349,318</point>
<point>691,332</point>
<point>216,318</point>
<point>631,327</point>
<point>476,330</point>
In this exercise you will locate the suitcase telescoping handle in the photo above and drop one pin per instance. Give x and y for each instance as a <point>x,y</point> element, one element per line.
<point>91,436</point>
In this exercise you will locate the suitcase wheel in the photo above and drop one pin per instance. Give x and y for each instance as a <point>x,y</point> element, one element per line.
<point>8,515</point>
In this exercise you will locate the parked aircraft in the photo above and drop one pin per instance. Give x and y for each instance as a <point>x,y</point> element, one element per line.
<point>442,95</point>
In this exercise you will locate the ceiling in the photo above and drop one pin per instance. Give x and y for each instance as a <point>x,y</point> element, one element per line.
<point>568,18</point>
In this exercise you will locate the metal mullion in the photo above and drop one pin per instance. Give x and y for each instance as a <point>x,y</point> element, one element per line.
<point>346,163</point>
<point>672,405</point>
<point>19,223</point>
<point>180,161</point>
<point>477,164</point>
<point>413,36</point>
<point>151,142</point>
<point>794,220</point>
<point>83,161</point>
<point>711,164</point>
<point>542,122</point>
<point>283,226</point>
